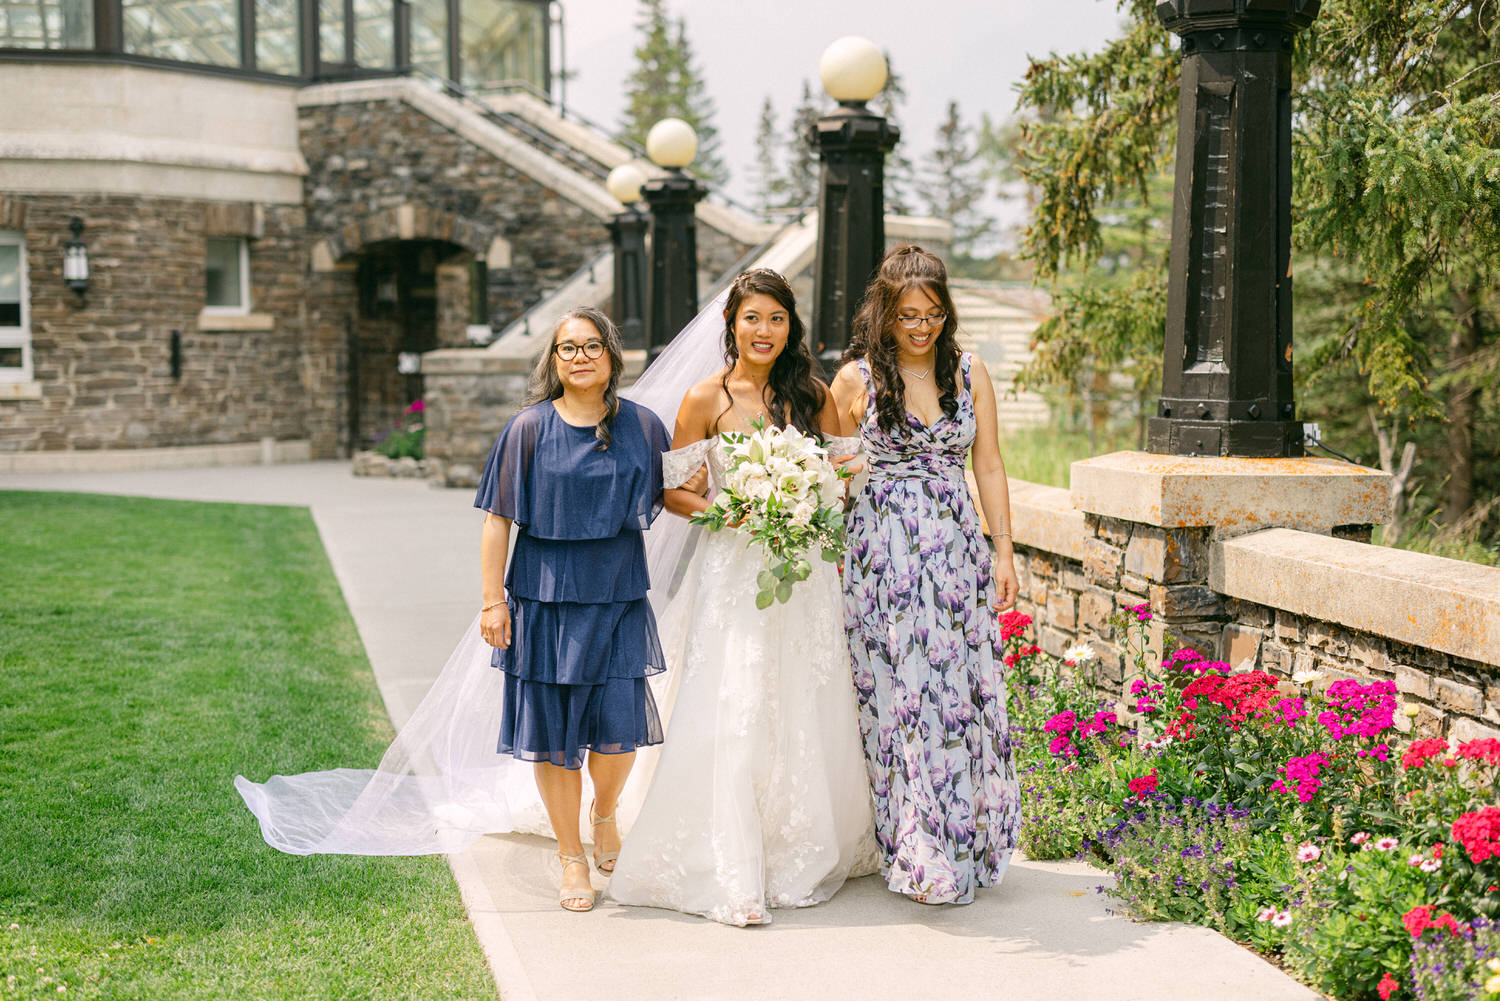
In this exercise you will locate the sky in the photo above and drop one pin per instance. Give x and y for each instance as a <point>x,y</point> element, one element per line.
<point>971,51</point>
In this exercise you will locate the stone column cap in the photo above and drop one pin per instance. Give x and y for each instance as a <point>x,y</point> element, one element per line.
<point>1232,496</point>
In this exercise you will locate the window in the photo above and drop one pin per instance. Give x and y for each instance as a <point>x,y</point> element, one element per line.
<point>503,40</point>
<point>15,329</point>
<point>192,31</point>
<point>277,37</point>
<point>227,273</point>
<point>46,24</point>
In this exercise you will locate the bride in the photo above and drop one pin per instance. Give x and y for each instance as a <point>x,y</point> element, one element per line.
<point>760,797</point>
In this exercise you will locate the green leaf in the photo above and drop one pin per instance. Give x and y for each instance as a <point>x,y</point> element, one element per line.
<point>765,580</point>
<point>763,599</point>
<point>783,592</point>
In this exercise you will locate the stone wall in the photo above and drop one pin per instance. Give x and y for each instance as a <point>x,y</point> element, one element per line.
<point>1280,599</point>
<point>367,158</point>
<point>102,366</point>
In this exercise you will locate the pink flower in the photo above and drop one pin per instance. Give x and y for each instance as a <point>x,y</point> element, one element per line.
<point>1388,985</point>
<point>1282,919</point>
<point>1360,838</point>
<point>1308,852</point>
<point>1431,865</point>
<point>1265,914</point>
<point>416,407</point>
<point>1387,845</point>
<point>1416,859</point>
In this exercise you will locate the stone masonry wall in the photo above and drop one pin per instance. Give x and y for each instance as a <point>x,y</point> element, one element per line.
<point>369,157</point>
<point>103,366</point>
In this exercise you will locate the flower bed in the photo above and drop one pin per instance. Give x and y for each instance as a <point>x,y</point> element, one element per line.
<point>1289,816</point>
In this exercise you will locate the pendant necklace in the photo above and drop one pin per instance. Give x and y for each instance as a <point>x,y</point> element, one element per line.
<point>915,375</point>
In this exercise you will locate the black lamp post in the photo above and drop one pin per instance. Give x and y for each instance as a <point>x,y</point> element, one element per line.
<point>76,260</point>
<point>627,231</point>
<point>1227,371</point>
<point>852,142</point>
<point>672,298</point>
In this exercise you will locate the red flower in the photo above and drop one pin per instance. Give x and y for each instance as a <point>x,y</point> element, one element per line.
<point>1388,985</point>
<point>1486,749</point>
<point>1417,919</point>
<point>1013,624</point>
<point>1418,753</point>
<point>1479,833</point>
<point>1146,783</point>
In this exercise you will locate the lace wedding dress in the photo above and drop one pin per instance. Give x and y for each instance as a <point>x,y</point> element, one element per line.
<point>760,797</point>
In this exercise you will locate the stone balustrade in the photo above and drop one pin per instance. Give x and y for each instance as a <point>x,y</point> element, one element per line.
<point>1264,564</point>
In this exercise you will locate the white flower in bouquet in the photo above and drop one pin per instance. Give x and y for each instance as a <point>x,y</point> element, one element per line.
<point>781,491</point>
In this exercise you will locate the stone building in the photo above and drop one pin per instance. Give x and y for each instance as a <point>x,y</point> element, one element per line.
<point>275,231</point>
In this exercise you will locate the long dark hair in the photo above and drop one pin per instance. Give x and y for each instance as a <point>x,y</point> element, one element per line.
<point>872,335</point>
<point>796,395</point>
<point>546,385</point>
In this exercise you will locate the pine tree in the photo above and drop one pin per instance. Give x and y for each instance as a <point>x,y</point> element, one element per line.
<point>952,185</point>
<point>651,88</point>
<point>666,84</point>
<point>900,174</point>
<point>800,182</point>
<point>768,189</point>
<point>1396,167</point>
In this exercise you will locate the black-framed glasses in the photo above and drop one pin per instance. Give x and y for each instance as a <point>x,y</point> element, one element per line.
<point>567,350</point>
<point>913,322</point>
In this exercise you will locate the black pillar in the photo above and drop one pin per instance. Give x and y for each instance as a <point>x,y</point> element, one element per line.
<point>1227,370</point>
<point>627,232</point>
<point>672,299</point>
<point>852,143</point>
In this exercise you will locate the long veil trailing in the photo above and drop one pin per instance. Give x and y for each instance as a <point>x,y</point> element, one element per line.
<point>442,784</point>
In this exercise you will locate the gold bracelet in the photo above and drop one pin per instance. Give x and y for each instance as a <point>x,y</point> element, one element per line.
<point>486,608</point>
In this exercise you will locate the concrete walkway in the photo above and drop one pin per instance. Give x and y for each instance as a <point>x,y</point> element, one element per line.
<point>406,558</point>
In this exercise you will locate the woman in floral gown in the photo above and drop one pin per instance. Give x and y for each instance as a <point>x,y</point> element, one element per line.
<point>921,590</point>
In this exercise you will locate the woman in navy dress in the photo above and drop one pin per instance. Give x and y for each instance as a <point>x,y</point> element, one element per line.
<point>576,478</point>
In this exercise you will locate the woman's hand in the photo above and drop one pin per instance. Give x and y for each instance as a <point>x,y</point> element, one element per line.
<point>1007,584</point>
<point>494,626</point>
<point>698,482</point>
<point>855,464</point>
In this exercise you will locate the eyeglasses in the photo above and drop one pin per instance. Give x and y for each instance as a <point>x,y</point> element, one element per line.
<point>913,322</point>
<point>567,349</point>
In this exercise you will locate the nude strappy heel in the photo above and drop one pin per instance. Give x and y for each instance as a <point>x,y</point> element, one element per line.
<point>564,894</point>
<point>603,861</point>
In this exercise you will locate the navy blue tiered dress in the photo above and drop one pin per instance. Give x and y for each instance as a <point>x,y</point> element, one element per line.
<point>583,638</point>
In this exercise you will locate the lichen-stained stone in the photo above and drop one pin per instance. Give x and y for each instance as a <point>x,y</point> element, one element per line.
<point>1185,601</point>
<point>1242,645</point>
<point>1232,496</point>
<point>1102,562</point>
<point>1044,518</point>
<point>1458,696</point>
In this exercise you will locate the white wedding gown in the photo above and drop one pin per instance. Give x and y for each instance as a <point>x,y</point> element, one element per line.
<point>760,797</point>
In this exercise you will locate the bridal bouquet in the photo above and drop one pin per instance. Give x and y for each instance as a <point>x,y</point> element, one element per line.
<point>781,490</point>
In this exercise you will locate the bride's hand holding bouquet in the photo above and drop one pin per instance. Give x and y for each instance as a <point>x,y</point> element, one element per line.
<point>781,491</point>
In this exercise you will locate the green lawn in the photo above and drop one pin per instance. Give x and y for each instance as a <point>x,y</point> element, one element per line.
<point>149,650</point>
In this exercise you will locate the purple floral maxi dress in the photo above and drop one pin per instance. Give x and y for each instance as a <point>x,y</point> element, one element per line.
<point>927,672</point>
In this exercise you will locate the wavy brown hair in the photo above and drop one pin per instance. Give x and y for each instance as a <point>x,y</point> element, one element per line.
<point>873,338</point>
<point>796,396</point>
<point>546,385</point>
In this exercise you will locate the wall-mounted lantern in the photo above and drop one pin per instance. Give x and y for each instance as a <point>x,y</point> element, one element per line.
<point>76,260</point>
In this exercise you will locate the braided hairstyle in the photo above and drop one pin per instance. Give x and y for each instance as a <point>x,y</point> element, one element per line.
<point>873,338</point>
<point>795,395</point>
